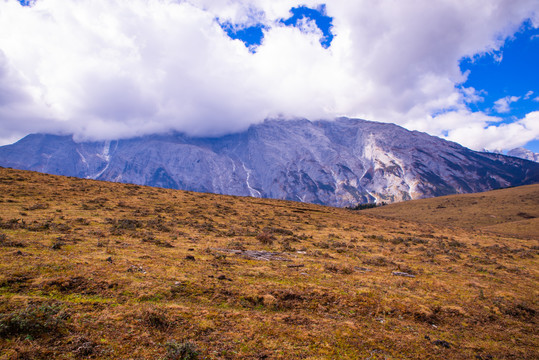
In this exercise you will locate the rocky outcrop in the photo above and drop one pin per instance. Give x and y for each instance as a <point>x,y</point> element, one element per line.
<point>339,163</point>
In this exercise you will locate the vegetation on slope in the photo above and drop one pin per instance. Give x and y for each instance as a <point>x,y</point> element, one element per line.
<point>512,211</point>
<point>101,270</point>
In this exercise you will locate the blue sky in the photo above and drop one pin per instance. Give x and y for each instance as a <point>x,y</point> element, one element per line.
<point>108,69</point>
<point>510,72</point>
<point>253,35</point>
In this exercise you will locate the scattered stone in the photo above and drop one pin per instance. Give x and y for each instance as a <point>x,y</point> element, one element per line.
<point>442,343</point>
<point>190,257</point>
<point>19,253</point>
<point>190,249</point>
<point>57,245</point>
<point>136,268</point>
<point>221,277</point>
<point>257,255</point>
<point>296,266</point>
<point>427,337</point>
<point>364,269</point>
<point>400,273</point>
<point>109,259</point>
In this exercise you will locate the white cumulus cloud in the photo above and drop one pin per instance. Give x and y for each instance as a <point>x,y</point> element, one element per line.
<point>503,105</point>
<point>103,69</point>
<point>482,135</point>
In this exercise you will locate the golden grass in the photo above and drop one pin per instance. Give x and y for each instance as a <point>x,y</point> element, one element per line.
<point>119,271</point>
<point>511,211</point>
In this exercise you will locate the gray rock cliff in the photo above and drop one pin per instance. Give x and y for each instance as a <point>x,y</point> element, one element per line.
<point>339,163</point>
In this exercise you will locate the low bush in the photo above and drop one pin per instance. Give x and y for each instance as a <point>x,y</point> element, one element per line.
<point>265,238</point>
<point>181,351</point>
<point>34,320</point>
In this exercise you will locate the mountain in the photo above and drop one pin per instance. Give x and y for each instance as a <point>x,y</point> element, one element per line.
<point>337,163</point>
<point>524,154</point>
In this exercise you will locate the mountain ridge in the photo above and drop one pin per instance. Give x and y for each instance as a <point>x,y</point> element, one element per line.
<point>338,163</point>
<point>523,153</point>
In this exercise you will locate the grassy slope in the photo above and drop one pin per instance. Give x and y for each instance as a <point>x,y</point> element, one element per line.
<point>512,211</point>
<point>94,269</point>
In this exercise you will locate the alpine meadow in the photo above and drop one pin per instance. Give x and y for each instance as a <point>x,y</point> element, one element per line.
<point>103,270</point>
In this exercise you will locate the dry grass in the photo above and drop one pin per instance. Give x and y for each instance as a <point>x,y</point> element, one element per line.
<point>511,211</point>
<point>101,270</point>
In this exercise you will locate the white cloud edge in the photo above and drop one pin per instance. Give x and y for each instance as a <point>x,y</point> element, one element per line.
<point>503,105</point>
<point>336,82</point>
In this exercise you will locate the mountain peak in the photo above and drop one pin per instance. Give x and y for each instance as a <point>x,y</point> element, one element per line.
<point>525,154</point>
<point>339,163</point>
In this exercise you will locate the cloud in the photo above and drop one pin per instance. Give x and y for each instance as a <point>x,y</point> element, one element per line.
<point>116,68</point>
<point>479,135</point>
<point>528,95</point>
<point>503,105</point>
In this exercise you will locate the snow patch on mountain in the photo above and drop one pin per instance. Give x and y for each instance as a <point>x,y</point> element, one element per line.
<point>524,154</point>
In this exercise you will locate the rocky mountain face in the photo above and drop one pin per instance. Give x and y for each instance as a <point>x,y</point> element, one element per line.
<point>339,163</point>
<point>524,154</point>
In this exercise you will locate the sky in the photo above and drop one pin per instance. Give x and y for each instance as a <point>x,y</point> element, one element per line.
<point>106,69</point>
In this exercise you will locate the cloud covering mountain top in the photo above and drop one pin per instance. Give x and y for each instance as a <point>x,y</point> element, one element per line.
<point>104,69</point>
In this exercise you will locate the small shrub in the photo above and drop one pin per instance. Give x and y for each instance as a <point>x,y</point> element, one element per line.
<point>378,261</point>
<point>323,245</point>
<point>265,238</point>
<point>338,269</point>
<point>526,215</point>
<point>156,318</point>
<point>82,221</point>
<point>12,224</point>
<point>33,320</point>
<point>236,245</point>
<point>57,244</point>
<point>181,351</point>
<point>4,241</point>
<point>38,206</point>
<point>102,243</point>
<point>157,242</point>
<point>274,230</point>
<point>456,244</point>
<point>127,224</point>
<point>158,224</point>
<point>287,247</point>
<point>520,311</point>
<point>83,347</point>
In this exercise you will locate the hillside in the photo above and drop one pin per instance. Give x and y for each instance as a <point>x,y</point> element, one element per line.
<point>336,163</point>
<point>512,211</point>
<point>92,269</point>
